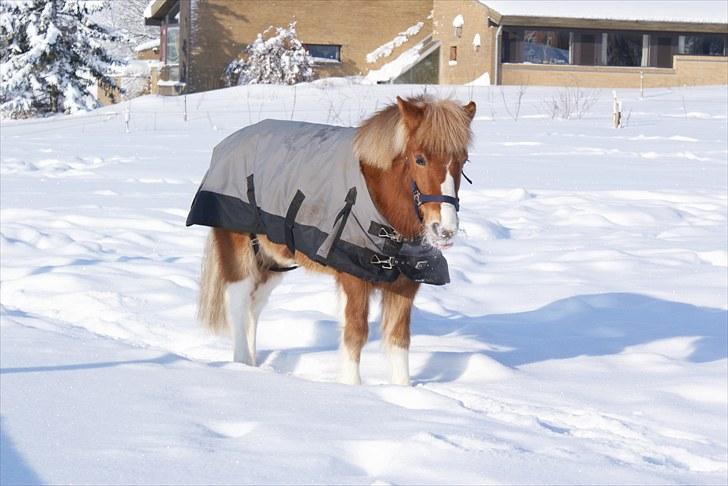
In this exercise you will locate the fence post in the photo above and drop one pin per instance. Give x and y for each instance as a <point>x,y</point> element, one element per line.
<point>616,111</point>
<point>642,84</point>
<point>127,115</point>
<point>185,107</point>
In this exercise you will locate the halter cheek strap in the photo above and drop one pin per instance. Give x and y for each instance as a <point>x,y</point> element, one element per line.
<point>419,199</point>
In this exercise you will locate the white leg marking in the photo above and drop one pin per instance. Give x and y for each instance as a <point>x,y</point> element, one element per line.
<point>238,305</point>
<point>349,371</point>
<point>448,215</point>
<point>349,374</point>
<point>258,299</point>
<point>399,363</point>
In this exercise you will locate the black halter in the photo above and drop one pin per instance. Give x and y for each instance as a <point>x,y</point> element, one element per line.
<point>419,199</point>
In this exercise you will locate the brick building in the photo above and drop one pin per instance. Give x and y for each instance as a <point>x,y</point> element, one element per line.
<point>453,41</point>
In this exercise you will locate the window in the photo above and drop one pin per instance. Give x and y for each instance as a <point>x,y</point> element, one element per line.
<point>324,53</point>
<point>170,43</point>
<point>624,49</point>
<point>545,47</point>
<point>604,48</point>
<point>458,31</point>
<point>453,53</point>
<point>587,48</point>
<point>662,48</point>
<point>703,45</point>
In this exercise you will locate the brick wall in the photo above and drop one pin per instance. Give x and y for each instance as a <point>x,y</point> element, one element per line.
<point>224,28</point>
<point>470,64</point>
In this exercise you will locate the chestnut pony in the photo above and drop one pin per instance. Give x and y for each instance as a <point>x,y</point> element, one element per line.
<point>419,139</point>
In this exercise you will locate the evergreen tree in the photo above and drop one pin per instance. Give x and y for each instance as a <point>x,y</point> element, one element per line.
<point>279,59</point>
<point>52,54</point>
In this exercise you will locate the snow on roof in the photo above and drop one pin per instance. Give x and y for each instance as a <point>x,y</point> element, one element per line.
<point>148,9</point>
<point>151,44</point>
<point>694,11</point>
<point>458,21</point>
<point>396,67</point>
<point>386,49</point>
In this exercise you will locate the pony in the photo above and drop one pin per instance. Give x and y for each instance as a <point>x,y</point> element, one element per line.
<point>411,150</point>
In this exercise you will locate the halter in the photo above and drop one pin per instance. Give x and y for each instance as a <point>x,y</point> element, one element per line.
<point>419,199</point>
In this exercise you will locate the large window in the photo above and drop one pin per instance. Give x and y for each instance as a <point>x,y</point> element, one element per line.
<point>611,48</point>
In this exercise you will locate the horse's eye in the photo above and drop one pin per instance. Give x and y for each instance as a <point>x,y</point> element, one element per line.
<point>420,160</point>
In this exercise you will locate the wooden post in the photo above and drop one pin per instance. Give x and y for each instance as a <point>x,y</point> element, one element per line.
<point>127,115</point>
<point>642,84</point>
<point>616,111</point>
<point>185,107</point>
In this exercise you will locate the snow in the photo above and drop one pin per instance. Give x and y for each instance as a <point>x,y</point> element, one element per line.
<point>151,44</point>
<point>458,21</point>
<point>482,80</point>
<point>694,11</point>
<point>149,8</point>
<point>397,66</point>
<point>582,339</point>
<point>385,50</point>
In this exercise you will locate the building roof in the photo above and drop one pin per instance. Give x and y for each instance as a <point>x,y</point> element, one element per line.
<point>697,11</point>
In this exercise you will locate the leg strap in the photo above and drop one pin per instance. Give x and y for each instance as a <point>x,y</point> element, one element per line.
<point>256,249</point>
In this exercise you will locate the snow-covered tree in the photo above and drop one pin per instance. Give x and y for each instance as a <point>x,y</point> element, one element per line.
<point>126,19</point>
<point>52,55</point>
<point>278,59</point>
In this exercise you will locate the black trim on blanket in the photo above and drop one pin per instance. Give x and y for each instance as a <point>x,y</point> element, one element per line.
<point>221,211</point>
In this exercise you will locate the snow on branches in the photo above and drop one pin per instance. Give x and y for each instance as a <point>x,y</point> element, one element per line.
<point>279,59</point>
<point>51,54</point>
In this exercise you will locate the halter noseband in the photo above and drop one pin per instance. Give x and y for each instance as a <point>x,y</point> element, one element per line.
<point>419,199</point>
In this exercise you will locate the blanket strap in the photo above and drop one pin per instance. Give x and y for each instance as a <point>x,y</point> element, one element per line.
<point>343,216</point>
<point>291,219</point>
<point>256,210</point>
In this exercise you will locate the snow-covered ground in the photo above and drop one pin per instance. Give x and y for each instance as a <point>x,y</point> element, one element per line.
<point>583,338</point>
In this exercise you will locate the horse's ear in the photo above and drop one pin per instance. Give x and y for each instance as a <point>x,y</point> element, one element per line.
<point>470,110</point>
<point>411,113</point>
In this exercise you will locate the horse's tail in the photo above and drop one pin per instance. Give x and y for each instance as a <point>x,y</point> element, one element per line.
<point>211,308</point>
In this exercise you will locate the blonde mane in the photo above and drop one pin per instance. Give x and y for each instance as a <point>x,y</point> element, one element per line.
<point>444,129</point>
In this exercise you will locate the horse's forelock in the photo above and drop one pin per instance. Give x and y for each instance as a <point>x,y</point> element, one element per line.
<point>444,129</point>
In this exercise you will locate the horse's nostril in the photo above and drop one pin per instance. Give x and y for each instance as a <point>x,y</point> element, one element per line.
<point>435,228</point>
<point>447,234</point>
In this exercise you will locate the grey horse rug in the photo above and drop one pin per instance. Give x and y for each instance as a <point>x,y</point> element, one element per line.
<point>300,185</point>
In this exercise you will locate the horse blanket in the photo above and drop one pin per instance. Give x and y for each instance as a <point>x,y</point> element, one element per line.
<point>301,185</point>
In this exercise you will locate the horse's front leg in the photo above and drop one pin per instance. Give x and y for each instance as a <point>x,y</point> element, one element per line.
<point>355,328</point>
<point>397,301</point>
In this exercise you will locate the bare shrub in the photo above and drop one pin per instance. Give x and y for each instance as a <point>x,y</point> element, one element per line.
<point>515,110</point>
<point>570,102</point>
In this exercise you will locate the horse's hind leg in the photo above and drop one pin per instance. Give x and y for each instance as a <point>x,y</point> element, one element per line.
<point>233,280</point>
<point>397,301</point>
<point>262,286</point>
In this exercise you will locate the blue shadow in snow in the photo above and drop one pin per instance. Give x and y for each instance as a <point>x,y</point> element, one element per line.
<point>592,325</point>
<point>162,360</point>
<point>13,468</point>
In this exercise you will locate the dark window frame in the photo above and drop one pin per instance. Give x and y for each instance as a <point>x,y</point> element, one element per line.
<point>586,46</point>
<point>337,52</point>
